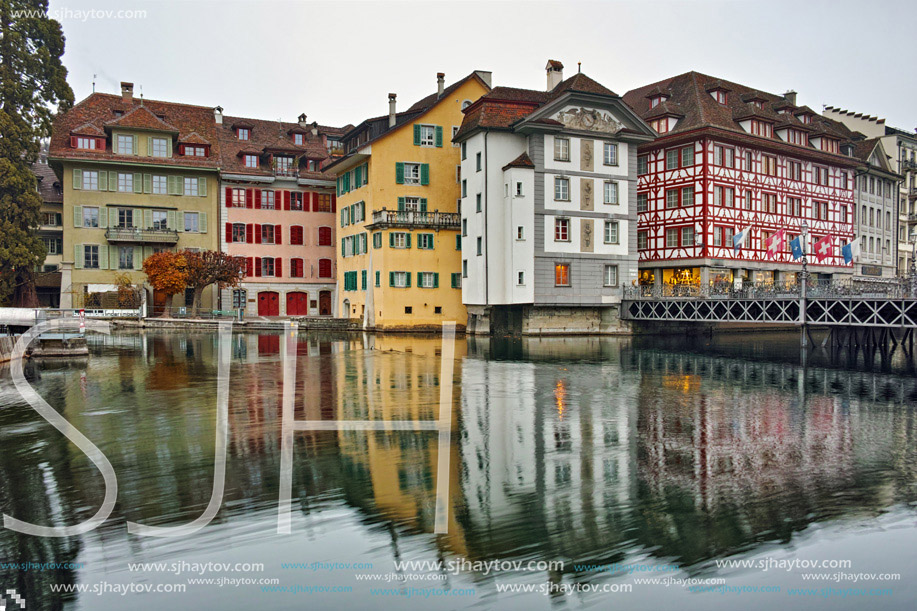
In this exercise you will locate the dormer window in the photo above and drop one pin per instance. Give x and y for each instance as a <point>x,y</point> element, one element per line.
<point>657,100</point>
<point>242,133</point>
<point>660,125</point>
<point>758,103</point>
<point>193,151</point>
<point>762,128</point>
<point>795,136</point>
<point>119,113</point>
<point>87,144</point>
<point>251,161</point>
<point>719,95</point>
<point>298,139</point>
<point>806,118</point>
<point>334,145</point>
<point>830,145</point>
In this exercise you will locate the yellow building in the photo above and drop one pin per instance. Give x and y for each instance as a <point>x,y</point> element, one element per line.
<point>398,195</point>
<point>138,176</point>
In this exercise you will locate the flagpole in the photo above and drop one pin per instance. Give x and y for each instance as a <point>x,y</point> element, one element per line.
<point>805,281</point>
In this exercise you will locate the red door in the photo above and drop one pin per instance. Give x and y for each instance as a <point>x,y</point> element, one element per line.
<point>297,304</point>
<point>324,303</point>
<point>268,304</point>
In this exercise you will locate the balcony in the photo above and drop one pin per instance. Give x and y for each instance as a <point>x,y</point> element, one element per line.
<point>912,193</point>
<point>907,164</point>
<point>290,172</point>
<point>414,219</point>
<point>142,236</point>
<point>912,217</point>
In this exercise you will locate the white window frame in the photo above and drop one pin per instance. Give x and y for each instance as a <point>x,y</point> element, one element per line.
<point>192,185</point>
<point>562,189</point>
<point>160,185</point>
<point>87,249</point>
<point>426,280</point>
<point>90,180</point>
<point>427,135</point>
<point>605,275</point>
<point>561,149</point>
<point>411,173</point>
<point>160,147</point>
<point>612,159</point>
<point>162,220</point>
<point>399,239</point>
<point>87,210</point>
<point>612,232</point>
<point>196,224</point>
<point>613,200</point>
<point>401,280</point>
<point>125,182</point>
<point>251,161</point>
<point>122,142</point>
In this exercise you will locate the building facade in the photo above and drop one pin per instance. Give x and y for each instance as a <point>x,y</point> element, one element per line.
<point>398,197</point>
<point>548,185</point>
<point>51,231</point>
<point>876,212</point>
<point>138,176</point>
<point>277,211</point>
<point>730,158</point>
<point>901,148</point>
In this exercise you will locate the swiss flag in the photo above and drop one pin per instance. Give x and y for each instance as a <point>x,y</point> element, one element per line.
<point>824,248</point>
<point>775,243</point>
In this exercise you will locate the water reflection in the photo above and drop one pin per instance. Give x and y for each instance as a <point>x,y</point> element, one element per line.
<point>589,450</point>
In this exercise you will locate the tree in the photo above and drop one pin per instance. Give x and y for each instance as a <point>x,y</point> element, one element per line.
<point>167,272</point>
<point>206,267</point>
<point>33,85</point>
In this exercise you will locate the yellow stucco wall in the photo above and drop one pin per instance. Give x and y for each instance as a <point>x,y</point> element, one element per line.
<point>442,193</point>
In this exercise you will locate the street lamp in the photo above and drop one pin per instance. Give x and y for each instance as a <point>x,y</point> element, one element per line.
<point>912,273</point>
<point>805,281</point>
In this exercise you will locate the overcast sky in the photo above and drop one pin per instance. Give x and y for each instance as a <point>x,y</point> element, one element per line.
<point>337,61</point>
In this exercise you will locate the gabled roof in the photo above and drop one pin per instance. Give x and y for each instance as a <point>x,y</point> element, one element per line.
<point>88,129</point>
<point>48,183</point>
<point>193,138</point>
<point>141,118</point>
<point>522,161</point>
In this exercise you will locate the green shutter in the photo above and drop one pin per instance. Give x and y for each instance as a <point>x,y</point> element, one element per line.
<point>455,284</point>
<point>179,220</point>
<point>391,278</point>
<point>416,135</point>
<point>343,248</point>
<point>138,257</point>
<point>431,246</point>
<point>458,241</point>
<point>103,217</point>
<point>78,256</point>
<point>358,177</point>
<point>363,278</point>
<point>103,180</point>
<point>407,240</point>
<point>425,173</point>
<point>147,183</point>
<point>202,222</point>
<point>169,147</point>
<point>112,216</point>
<point>113,261</point>
<point>138,183</point>
<point>423,204</point>
<point>391,239</point>
<point>135,144</point>
<point>436,280</point>
<point>202,186</point>
<point>112,182</point>
<point>419,279</point>
<point>407,277</point>
<point>149,146</point>
<point>103,256</point>
<point>401,203</point>
<point>170,219</point>
<point>147,219</point>
<point>439,136</point>
<point>399,172</point>
<point>77,179</point>
<point>77,216</point>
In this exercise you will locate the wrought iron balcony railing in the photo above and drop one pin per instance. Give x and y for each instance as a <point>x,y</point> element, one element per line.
<point>892,288</point>
<point>415,218</point>
<point>144,236</point>
<point>291,172</point>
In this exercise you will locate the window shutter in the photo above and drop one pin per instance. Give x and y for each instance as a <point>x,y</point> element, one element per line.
<point>112,181</point>
<point>179,220</point>
<point>399,172</point>
<point>77,179</point>
<point>258,197</point>
<point>391,278</point>
<point>458,241</point>
<point>391,240</point>
<point>358,177</point>
<point>228,197</point>
<point>407,240</point>
<point>202,186</point>
<point>103,180</point>
<point>172,185</point>
<point>286,200</point>
<point>416,135</point>
<point>439,136</point>
<point>202,222</point>
<point>423,204</point>
<point>103,217</point>
<point>363,278</point>
<point>278,267</point>
<point>170,219</point>
<point>138,257</point>
<point>343,247</point>
<point>258,265</point>
<point>407,277</point>
<point>138,183</point>
<point>60,245</point>
<point>249,234</point>
<point>249,266</point>
<point>78,256</point>
<point>278,234</point>
<point>113,262</point>
<point>436,280</point>
<point>401,203</point>
<point>134,145</point>
<point>334,202</point>
<point>419,279</point>
<point>103,256</point>
<point>257,233</point>
<point>112,216</point>
<point>148,219</point>
<point>147,183</point>
<point>169,147</point>
<point>307,201</point>
<point>249,198</point>
<point>77,216</point>
<point>425,173</point>
<point>149,146</point>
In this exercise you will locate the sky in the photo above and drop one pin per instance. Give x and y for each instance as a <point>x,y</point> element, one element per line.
<point>337,60</point>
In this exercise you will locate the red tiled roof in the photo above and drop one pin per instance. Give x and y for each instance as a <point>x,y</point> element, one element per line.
<point>193,138</point>
<point>47,180</point>
<point>141,118</point>
<point>522,161</point>
<point>88,129</point>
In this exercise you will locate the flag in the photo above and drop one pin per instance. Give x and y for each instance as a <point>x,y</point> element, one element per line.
<point>851,251</point>
<point>797,247</point>
<point>738,240</point>
<point>775,243</point>
<point>824,248</point>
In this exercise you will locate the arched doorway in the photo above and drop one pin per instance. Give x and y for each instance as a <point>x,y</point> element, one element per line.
<point>268,303</point>
<point>324,303</point>
<point>297,304</point>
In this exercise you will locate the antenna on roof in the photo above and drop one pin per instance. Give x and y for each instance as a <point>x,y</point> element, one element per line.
<point>94,82</point>
<point>579,67</point>
<point>141,95</point>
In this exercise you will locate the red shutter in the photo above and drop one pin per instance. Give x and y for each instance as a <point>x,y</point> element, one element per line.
<point>257,233</point>
<point>278,234</point>
<point>257,266</point>
<point>286,200</point>
<point>249,233</point>
<point>258,199</point>
<point>228,233</point>
<point>334,203</point>
<point>306,201</point>
<point>278,267</point>
<point>249,266</point>
<point>228,197</point>
<point>248,198</point>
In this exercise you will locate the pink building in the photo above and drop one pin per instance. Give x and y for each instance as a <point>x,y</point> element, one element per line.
<point>277,210</point>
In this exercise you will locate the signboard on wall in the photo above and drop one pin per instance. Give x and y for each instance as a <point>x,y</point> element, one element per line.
<point>871,270</point>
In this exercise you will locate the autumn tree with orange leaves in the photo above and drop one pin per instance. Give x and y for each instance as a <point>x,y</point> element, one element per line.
<point>206,267</point>
<point>167,272</point>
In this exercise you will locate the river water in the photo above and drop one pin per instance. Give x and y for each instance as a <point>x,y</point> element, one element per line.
<point>666,473</point>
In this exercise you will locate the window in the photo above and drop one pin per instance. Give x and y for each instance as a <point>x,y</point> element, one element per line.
<point>399,279</point>
<point>161,220</point>
<point>611,232</point>
<point>91,256</point>
<point>125,182</point>
<point>687,196</point>
<point>611,275</point>
<point>794,170</point>
<point>464,151</point>
<point>477,162</point>
<point>477,202</point>
<point>724,156</point>
<point>464,188</point>
<point>561,189</point>
<point>52,245</point>
<point>191,186</point>
<point>323,204</point>
<point>562,274</point>
<point>90,180</point>
<point>267,266</point>
<point>717,236</point>
<point>794,206</point>
<point>641,165</point>
<point>820,176</point>
<point>671,159</point>
<point>251,161</point>
<point>90,216</point>
<point>794,136</point>
<point>561,149</point>
<point>762,128</point>
<point>687,236</point>
<point>160,185</point>
<point>425,241</point>
<point>412,174</point>
<point>242,133</point>
<point>641,202</point>
<point>427,280</point>
<point>719,95</point>
<point>268,200</point>
<point>820,210</point>
<point>671,237</point>
<point>296,235</point>
<point>125,217</point>
<point>193,151</point>
<point>520,232</point>
<point>238,232</point>
<point>399,239</point>
<point>464,268</point>
<point>769,165</point>
<point>748,161</point>
<point>160,147</point>
<point>464,227</point>
<point>86,143</point>
<point>769,202</point>
<point>611,192</point>
<point>427,135</point>
<point>455,129</point>
<point>125,257</point>
<point>124,145</point>
<point>296,201</point>
<point>519,189</point>
<point>458,242</point>
<point>50,218</point>
<point>748,200</point>
<point>641,240</point>
<point>687,156</point>
<point>192,222</point>
<point>660,125</point>
<point>480,244</point>
<point>520,278</point>
<point>671,198</point>
<point>561,230</point>
<point>611,153</point>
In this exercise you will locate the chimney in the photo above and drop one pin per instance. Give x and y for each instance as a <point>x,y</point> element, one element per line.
<point>127,92</point>
<point>315,128</point>
<point>440,83</point>
<point>555,73</point>
<point>790,96</point>
<point>485,75</point>
<point>218,115</point>
<point>391,109</point>
<point>302,120</point>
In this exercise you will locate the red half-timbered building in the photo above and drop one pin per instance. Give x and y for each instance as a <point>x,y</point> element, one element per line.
<point>730,157</point>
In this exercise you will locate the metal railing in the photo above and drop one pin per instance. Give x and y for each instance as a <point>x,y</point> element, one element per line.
<point>291,172</point>
<point>415,218</point>
<point>136,234</point>
<point>894,288</point>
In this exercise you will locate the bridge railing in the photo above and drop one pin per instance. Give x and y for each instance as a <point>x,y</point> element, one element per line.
<point>815,289</point>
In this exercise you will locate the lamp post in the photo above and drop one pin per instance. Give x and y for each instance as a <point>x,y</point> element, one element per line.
<point>805,280</point>
<point>912,272</point>
<point>242,302</point>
